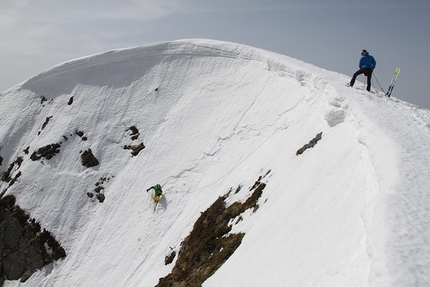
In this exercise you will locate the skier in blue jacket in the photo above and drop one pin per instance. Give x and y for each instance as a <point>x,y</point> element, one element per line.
<point>367,64</point>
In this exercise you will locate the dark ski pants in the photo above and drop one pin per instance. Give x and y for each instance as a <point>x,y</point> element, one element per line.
<point>367,72</point>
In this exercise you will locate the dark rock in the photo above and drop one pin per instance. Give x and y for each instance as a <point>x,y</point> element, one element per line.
<point>6,175</point>
<point>134,133</point>
<point>48,152</point>
<point>169,258</point>
<point>88,159</point>
<point>15,178</point>
<point>98,188</point>
<point>210,243</point>
<point>101,197</point>
<point>134,130</point>
<point>135,149</point>
<point>46,122</point>
<point>311,144</point>
<point>22,244</point>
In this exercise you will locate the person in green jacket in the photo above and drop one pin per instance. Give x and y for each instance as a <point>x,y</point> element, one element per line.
<point>158,193</point>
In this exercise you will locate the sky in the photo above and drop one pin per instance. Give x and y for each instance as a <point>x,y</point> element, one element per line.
<point>36,35</point>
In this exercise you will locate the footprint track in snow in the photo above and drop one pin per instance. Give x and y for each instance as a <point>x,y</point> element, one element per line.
<point>338,115</point>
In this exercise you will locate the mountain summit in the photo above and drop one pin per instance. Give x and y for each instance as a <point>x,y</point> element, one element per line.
<point>325,185</point>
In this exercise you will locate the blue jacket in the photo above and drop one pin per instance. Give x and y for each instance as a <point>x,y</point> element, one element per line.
<point>367,61</point>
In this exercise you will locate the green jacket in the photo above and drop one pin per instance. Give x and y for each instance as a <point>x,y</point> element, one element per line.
<point>157,189</point>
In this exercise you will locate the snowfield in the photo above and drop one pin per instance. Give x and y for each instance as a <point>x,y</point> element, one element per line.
<point>351,211</point>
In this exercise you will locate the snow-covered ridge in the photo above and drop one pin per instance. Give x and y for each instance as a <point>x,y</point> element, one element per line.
<point>212,116</point>
<point>172,50</point>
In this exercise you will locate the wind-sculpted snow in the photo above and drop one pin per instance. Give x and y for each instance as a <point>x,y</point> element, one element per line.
<point>202,117</point>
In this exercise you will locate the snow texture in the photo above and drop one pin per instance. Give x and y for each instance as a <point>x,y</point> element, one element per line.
<point>351,211</point>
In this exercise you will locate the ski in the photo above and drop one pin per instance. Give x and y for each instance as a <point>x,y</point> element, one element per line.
<point>393,82</point>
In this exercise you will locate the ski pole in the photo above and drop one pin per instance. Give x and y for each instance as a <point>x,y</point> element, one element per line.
<point>378,82</point>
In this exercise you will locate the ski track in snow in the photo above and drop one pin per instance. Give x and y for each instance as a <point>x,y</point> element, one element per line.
<point>352,211</point>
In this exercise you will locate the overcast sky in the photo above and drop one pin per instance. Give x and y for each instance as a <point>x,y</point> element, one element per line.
<point>36,35</point>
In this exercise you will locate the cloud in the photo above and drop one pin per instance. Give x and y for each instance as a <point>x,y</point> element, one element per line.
<point>36,27</point>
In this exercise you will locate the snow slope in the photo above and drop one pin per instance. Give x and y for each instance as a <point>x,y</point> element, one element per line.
<point>352,211</point>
